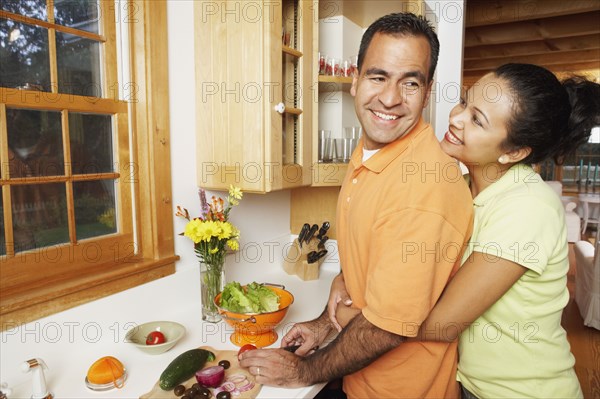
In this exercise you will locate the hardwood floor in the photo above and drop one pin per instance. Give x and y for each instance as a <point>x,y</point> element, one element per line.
<point>585,342</point>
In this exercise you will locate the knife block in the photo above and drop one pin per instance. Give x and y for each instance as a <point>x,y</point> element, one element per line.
<point>295,262</point>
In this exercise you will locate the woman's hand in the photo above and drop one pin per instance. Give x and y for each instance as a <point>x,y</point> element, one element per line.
<point>337,294</point>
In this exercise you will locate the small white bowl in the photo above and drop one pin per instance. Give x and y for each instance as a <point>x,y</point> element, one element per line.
<point>172,331</point>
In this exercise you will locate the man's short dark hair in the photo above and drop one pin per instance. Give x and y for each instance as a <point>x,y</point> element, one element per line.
<point>402,24</point>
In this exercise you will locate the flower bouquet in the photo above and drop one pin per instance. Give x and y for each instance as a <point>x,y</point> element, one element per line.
<point>212,234</point>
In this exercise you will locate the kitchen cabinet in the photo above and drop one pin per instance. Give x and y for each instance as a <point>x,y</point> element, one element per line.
<point>254,94</point>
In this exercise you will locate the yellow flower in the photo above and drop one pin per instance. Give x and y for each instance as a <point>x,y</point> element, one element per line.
<point>233,244</point>
<point>226,230</point>
<point>235,192</point>
<point>214,250</point>
<point>210,229</point>
<point>193,230</point>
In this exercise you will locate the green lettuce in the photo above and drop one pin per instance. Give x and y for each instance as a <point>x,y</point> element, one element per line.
<point>254,298</point>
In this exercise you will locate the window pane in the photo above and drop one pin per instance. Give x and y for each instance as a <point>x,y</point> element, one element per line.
<point>94,208</point>
<point>29,8</point>
<point>78,14</point>
<point>39,215</point>
<point>78,62</point>
<point>2,236</point>
<point>24,59</point>
<point>35,145</point>
<point>91,143</point>
<point>581,170</point>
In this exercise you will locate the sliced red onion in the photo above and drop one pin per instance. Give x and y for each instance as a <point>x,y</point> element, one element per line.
<point>210,377</point>
<point>246,387</point>
<point>228,386</point>
<point>237,378</point>
<point>236,392</point>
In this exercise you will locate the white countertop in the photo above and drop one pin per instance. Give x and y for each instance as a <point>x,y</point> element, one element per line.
<point>70,341</point>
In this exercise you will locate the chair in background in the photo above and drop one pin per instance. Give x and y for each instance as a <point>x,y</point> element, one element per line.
<point>572,219</point>
<point>587,282</point>
<point>590,204</point>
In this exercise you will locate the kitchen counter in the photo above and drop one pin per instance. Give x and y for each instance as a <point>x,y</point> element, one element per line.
<point>70,341</point>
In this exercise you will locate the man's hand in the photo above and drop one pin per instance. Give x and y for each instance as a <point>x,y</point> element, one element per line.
<point>274,367</point>
<point>337,294</point>
<point>359,344</point>
<point>308,335</point>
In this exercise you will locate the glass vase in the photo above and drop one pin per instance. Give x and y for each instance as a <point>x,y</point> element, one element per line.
<point>212,282</point>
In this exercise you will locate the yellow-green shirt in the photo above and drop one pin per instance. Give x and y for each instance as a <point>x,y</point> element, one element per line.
<point>518,348</point>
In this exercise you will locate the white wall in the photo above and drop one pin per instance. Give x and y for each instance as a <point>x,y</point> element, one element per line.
<point>260,218</point>
<point>448,18</point>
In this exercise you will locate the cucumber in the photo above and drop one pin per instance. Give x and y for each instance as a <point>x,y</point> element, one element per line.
<point>183,367</point>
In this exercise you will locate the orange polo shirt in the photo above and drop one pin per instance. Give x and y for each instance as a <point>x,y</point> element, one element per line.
<point>403,220</point>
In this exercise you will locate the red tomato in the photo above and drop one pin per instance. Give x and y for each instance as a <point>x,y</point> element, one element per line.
<point>245,348</point>
<point>155,338</point>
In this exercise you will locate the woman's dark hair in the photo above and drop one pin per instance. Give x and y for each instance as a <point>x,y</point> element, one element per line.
<point>407,24</point>
<point>550,117</point>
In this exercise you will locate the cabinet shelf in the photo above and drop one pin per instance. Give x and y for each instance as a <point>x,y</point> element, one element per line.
<point>335,79</point>
<point>329,84</point>
<point>329,174</point>
<point>293,111</point>
<point>291,51</point>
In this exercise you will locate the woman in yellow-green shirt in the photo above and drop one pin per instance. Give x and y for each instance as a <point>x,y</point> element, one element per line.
<point>506,301</point>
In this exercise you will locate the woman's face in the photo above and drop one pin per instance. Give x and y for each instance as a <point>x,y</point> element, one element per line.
<point>478,124</point>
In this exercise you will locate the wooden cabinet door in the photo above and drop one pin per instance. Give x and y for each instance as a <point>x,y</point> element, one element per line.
<point>240,76</point>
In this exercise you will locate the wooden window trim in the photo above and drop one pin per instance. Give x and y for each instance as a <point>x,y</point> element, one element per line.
<point>149,116</point>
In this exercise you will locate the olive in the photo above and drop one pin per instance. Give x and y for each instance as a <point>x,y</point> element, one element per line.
<point>190,392</point>
<point>223,395</point>
<point>225,364</point>
<point>204,393</point>
<point>186,397</point>
<point>196,385</point>
<point>179,390</point>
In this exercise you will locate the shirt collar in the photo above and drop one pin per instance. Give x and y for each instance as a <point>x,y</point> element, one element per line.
<point>388,153</point>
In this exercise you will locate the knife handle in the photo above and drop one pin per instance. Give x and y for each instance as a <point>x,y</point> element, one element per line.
<point>323,230</point>
<point>311,232</point>
<point>303,232</point>
<point>321,254</point>
<point>322,241</point>
<point>291,348</point>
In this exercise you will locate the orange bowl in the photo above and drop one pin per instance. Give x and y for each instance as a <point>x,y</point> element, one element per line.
<point>257,328</point>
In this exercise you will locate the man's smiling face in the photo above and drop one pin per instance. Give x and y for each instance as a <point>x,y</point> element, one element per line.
<point>391,88</point>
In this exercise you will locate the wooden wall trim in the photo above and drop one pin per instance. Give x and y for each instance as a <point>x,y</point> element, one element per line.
<point>150,115</point>
<point>35,305</point>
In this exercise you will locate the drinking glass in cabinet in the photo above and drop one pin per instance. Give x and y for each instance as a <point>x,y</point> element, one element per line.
<point>325,147</point>
<point>344,148</point>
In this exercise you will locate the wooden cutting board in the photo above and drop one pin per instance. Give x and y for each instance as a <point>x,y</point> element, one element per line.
<point>231,356</point>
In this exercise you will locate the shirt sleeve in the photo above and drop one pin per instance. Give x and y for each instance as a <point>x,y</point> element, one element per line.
<point>410,263</point>
<point>522,229</point>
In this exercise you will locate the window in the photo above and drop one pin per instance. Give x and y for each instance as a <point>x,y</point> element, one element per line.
<point>73,154</point>
<point>580,172</point>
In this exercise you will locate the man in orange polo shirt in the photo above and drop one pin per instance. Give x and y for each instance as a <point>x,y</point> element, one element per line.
<point>404,216</point>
